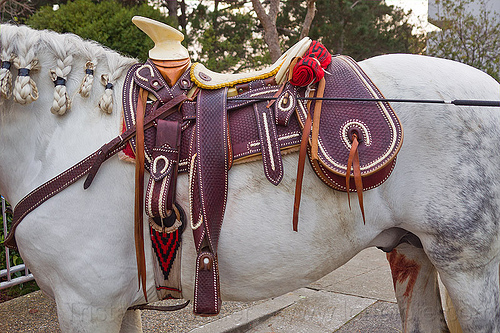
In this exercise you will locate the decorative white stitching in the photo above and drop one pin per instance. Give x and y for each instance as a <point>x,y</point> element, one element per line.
<point>268,137</point>
<point>355,123</point>
<point>289,107</point>
<point>155,162</point>
<point>142,77</point>
<point>163,198</point>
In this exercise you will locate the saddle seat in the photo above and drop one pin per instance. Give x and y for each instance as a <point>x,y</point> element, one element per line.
<point>207,79</point>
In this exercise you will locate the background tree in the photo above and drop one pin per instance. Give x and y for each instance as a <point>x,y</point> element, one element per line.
<point>227,37</point>
<point>107,22</point>
<point>176,9</point>
<point>466,36</point>
<point>268,21</point>
<point>361,29</point>
<point>19,10</point>
<point>14,10</point>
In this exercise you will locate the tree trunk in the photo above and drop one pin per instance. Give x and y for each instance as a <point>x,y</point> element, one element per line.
<point>172,10</point>
<point>183,17</point>
<point>268,21</point>
<point>342,23</point>
<point>311,12</point>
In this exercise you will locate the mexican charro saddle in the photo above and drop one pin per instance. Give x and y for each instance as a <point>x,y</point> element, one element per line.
<point>211,131</point>
<point>187,127</point>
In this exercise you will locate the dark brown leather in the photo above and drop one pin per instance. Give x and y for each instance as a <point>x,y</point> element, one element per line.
<point>269,145</point>
<point>161,189</point>
<point>246,87</point>
<point>211,194</point>
<point>207,300</point>
<point>337,181</point>
<point>379,131</point>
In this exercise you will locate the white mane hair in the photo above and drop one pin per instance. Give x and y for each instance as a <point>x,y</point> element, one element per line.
<point>64,58</point>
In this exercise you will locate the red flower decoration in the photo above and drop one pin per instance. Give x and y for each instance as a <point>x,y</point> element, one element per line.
<point>310,69</point>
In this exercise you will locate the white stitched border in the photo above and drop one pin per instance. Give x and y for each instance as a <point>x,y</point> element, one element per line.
<point>268,137</point>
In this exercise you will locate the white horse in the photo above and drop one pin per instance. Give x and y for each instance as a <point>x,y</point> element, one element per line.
<point>445,189</point>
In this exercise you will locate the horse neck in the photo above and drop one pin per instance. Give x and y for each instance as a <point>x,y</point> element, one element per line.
<point>36,145</point>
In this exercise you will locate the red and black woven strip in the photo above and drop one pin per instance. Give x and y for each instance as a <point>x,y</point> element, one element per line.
<point>319,51</point>
<point>165,246</point>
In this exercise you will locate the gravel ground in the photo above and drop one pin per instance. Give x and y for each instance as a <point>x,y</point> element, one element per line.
<point>37,313</point>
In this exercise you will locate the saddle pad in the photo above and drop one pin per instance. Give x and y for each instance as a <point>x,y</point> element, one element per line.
<point>207,79</point>
<point>375,123</point>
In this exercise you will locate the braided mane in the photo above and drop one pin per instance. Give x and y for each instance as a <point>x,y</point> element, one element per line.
<point>62,57</point>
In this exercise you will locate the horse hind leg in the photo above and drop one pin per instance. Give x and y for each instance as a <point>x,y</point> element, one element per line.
<point>417,290</point>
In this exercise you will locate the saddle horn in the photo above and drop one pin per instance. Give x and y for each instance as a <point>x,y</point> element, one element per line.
<point>167,39</point>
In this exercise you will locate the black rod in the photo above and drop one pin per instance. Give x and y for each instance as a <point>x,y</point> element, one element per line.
<point>461,102</point>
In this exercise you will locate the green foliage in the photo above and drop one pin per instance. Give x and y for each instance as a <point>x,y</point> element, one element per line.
<point>15,259</point>
<point>467,37</point>
<point>227,38</point>
<point>361,29</point>
<point>3,262</point>
<point>107,22</point>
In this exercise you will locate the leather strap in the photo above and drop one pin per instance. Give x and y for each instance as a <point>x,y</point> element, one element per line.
<point>162,112</point>
<point>300,169</point>
<point>212,156</point>
<point>160,307</point>
<point>316,119</point>
<point>269,144</point>
<point>207,300</point>
<point>354,162</point>
<point>161,189</point>
<point>209,195</point>
<point>139,192</point>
